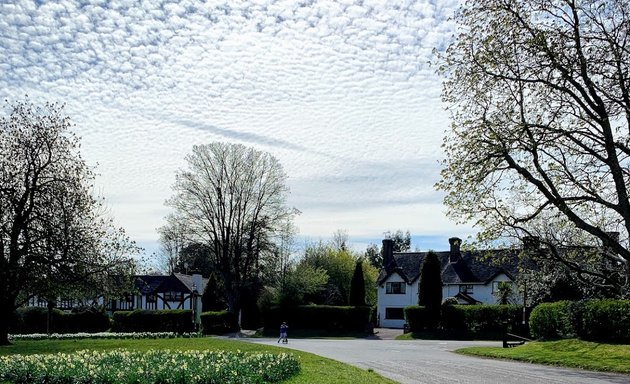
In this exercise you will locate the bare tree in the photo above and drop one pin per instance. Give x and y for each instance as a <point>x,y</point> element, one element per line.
<point>540,143</point>
<point>232,199</point>
<point>53,238</point>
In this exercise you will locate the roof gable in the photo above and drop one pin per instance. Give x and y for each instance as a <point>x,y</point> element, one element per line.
<point>472,267</point>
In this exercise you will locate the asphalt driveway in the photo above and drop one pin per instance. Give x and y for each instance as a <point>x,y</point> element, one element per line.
<point>431,361</point>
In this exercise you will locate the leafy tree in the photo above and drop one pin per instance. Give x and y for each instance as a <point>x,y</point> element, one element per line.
<point>339,266</point>
<point>301,281</point>
<point>54,238</point>
<point>430,287</point>
<point>232,199</point>
<point>402,241</point>
<point>374,256</point>
<point>357,285</point>
<point>540,99</point>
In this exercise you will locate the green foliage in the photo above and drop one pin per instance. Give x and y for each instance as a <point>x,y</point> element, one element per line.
<point>552,321</point>
<point>34,320</point>
<point>357,286</point>
<point>419,318</point>
<point>536,98</point>
<point>147,367</point>
<point>505,293</point>
<point>318,317</point>
<point>370,274</point>
<point>488,320</point>
<point>338,265</point>
<point>430,287</point>
<point>212,299</point>
<point>606,320</point>
<point>173,320</point>
<point>597,320</point>
<point>218,323</point>
<point>302,281</point>
<point>374,256</point>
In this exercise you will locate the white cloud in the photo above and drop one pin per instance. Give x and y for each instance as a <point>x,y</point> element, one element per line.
<point>340,92</point>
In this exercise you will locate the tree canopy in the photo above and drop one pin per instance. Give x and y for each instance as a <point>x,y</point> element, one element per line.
<point>232,200</point>
<point>54,238</point>
<point>539,93</point>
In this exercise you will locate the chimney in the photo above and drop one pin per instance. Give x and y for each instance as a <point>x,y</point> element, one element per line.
<point>455,252</point>
<point>197,281</point>
<point>388,253</point>
<point>531,243</point>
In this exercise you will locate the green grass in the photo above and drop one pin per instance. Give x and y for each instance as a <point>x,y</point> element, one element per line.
<point>567,353</point>
<point>315,369</point>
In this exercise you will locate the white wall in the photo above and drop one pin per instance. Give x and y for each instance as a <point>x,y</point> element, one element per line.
<point>481,292</point>
<point>384,300</point>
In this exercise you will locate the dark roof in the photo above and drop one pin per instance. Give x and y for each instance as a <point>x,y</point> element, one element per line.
<point>469,267</point>
<point>177,282</point>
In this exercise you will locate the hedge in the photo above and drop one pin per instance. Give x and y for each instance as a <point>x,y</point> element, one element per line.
<point>172,320</point>
<point>216,323</point>
<point>596,320</point>
<point>605,320</point>
<point>553,321</point>
<point>318,317</point>
<point>34,319</point>
<point>417,317</point>
<point>469,321</point>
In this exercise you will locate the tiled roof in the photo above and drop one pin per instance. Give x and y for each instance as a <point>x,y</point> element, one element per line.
<point>177,282</point>
<point>471,267</point>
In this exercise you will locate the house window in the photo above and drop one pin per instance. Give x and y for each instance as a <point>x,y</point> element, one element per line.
<point>467,289</point>
<point>395,288</point>
<point>394,314</point>
<point>172,296</point>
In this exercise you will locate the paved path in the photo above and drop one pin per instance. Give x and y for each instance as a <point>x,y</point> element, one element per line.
<point>429,361</point>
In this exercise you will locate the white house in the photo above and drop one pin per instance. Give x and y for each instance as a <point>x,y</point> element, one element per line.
<point>469,277</point>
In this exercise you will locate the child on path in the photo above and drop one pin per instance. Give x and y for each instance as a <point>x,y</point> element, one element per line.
<point>283,333</point>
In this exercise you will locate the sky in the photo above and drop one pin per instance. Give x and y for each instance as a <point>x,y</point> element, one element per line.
<point>341,92</point>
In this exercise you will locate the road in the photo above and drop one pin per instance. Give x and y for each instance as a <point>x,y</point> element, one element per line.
<point>433,362</point>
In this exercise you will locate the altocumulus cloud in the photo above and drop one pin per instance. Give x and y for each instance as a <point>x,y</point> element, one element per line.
<point>340,91</point>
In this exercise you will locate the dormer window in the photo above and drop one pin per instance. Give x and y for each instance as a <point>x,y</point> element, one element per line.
<point>396,288</point>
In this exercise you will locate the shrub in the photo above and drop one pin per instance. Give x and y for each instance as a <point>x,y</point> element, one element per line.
<point>319,317</point>
<point>605,320</point>
<point>552,321</point>
<point>417,317</point>
<point>172,320</point>
<point>487,320</point>
<point>216,323</point>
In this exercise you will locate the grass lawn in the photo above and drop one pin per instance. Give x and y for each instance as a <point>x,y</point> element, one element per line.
<point>315,369</point>
<point>567,353</point>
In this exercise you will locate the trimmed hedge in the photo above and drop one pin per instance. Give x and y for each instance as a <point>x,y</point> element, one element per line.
<point>33,320</point>
<point>318,317</point>
<point>596,320</point>
<point>172,320</point>
<point>552,321</point>
<point>418,318</point>
<point>489,320</point>
<point>217,323</point>
<point>605,320</point>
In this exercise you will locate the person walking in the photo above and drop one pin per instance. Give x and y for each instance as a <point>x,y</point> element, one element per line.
<point>283,333</point>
